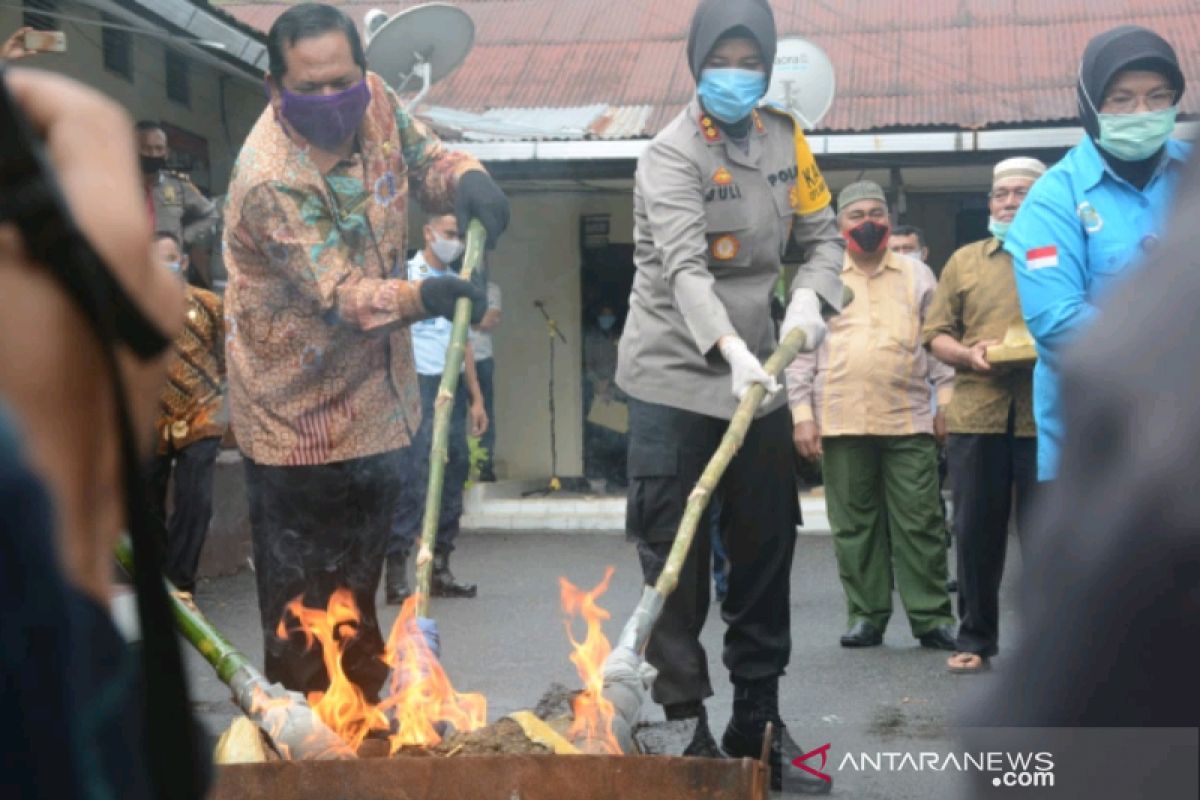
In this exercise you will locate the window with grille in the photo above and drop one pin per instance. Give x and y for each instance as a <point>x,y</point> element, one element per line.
<point>40,22</point>
<point>178,79</point>
<point>117,47</point>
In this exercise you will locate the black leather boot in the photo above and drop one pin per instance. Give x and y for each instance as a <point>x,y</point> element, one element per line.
<point>755,703</point>
<point>443,583</point>
<point>694,715</point>
<point>395,580</point>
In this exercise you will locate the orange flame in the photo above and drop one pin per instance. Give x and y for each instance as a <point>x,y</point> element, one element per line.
<point>420,695</point>
<point>593,712</point>
<point>342,707</point>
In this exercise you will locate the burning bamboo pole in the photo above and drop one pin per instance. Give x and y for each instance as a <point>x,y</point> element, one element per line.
<point>284,716</point>
<point>443,408</point>
<point>626,676</point>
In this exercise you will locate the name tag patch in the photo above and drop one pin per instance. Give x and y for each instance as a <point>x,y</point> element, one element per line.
<point>1042,257</point>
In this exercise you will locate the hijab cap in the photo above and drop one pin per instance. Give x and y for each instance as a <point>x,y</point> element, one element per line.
<point>716,18</point>
<point>1121,48</point>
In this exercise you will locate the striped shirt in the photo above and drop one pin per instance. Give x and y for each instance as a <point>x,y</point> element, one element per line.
<point>871,376</point>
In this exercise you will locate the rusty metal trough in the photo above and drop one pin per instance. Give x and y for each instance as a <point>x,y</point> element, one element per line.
<point>500,777</point>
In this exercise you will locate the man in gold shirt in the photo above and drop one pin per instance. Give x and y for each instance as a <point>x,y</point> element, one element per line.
<point>861,403</point>
<point>992,445</point>
<point>191,421</point>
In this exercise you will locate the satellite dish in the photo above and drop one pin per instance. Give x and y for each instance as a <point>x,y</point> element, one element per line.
<point>802,80</point>
<point>424,43</point>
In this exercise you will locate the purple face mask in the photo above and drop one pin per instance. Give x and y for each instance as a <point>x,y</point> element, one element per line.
<point>326,120</point>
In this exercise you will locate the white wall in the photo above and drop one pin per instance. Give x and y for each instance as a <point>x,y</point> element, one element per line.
<point>539,259</point>
<point>146,96</point>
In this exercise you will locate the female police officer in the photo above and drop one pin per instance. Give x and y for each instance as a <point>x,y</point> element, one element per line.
<point>1099,209</point>
<point>718,192</point>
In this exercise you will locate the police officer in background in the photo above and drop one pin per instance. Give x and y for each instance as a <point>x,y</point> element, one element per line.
<point>717,195</point>
<point>175,204</point>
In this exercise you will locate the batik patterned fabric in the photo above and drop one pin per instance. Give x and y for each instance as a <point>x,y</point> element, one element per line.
<point>192,404</point>
<point>320,357</point>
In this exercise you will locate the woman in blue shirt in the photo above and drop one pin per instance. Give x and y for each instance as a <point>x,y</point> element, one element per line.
<point>1098,210</point>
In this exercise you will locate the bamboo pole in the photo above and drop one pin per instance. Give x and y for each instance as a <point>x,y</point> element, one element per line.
<point>624,677</point>
<point>288,722</point>
<point>443,408</point>
<point>195,627</point>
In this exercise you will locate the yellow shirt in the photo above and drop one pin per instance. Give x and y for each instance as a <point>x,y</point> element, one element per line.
<point>871,376</point>
<point>977,300</point>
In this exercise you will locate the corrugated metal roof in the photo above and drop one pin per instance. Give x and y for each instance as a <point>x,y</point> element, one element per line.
<point>936,63</point>
<point>542,124</point>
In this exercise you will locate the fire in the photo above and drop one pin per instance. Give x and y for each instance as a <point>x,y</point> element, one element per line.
<point>419,701</point>
<point>420,696</point>
<point>593,712</point>
<point>342,707</point>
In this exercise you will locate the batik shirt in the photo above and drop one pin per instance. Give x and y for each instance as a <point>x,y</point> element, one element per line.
<point>192,404</point>
<point>319,354</point>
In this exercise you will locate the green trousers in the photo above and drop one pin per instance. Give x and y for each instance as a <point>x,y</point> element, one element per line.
<point>881,493</point>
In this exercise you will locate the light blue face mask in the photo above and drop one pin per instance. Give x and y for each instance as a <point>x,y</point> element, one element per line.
<point>730,94</point>
<point>998,228</point>
<point>606,321</point>
<point>175,267</point>
<point>1135,137</point>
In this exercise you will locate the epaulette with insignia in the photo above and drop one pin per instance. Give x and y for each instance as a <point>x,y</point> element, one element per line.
<point>711,134</point>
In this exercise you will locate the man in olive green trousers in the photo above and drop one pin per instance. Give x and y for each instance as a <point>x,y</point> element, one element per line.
<point>862,404</point>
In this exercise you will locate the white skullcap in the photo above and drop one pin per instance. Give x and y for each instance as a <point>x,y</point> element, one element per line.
<point>1018,167</point>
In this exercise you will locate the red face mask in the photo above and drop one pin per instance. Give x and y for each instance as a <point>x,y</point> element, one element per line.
<point>867,237</point>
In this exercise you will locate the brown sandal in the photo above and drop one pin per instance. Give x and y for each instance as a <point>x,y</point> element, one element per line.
<point>967,663</point>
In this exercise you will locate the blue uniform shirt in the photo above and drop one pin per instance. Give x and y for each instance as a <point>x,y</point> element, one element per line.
<point>1080,228</point>
<point>430,337</point>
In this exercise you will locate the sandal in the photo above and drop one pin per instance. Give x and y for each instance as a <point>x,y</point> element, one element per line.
<point>967,663</point>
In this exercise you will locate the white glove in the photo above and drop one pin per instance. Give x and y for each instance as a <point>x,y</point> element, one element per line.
<point>745,368</point>
<point>804,313</point>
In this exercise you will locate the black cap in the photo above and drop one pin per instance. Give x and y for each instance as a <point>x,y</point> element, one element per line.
<point>716,18</point>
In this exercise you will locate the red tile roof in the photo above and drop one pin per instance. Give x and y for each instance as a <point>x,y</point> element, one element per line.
<point>932,63</point>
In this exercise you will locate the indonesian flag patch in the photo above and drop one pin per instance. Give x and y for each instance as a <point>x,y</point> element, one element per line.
<point>1042,257</point>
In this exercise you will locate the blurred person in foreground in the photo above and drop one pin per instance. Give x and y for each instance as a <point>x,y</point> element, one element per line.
<point>1101,209</point>
<point>323,393</point>
<point>83,717</point>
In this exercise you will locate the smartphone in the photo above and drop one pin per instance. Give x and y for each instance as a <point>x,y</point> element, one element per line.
<point>46,41</point>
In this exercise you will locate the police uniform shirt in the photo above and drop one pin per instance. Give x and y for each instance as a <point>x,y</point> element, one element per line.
<point>181,209</point>
<point>430,337</point>
<point>711,224</point>
<point>1079,230</point>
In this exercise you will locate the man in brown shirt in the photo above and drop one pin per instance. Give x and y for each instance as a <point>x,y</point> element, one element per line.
<point>862,404</point>
<point>992,445</point>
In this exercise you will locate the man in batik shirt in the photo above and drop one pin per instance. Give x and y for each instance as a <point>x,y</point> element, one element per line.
<point>322,389</point>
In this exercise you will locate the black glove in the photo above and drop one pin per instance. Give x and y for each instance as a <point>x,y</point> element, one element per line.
<point>480,198</point>
<point>439,295</point>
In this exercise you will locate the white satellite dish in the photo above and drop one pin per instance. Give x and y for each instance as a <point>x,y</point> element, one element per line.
<point>423,43</point>
<point>802,80</point>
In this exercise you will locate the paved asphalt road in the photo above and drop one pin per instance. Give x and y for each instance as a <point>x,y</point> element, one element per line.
<point>510,644</point>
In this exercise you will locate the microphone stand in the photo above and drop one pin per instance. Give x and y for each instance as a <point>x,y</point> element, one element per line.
<point>553,333</point>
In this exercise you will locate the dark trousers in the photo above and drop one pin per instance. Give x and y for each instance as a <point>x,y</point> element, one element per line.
<point>410,507</point>
<point>191,506</point>
<point>317,529</point>
<point>986,471</point>
<point>758,514</point>
<point>485,370</point>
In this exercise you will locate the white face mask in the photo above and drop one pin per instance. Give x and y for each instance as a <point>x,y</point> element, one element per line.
<point>447,250</point>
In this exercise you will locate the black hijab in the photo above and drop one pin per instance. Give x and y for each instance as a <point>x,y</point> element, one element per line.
<point>1124,47</point>
<point>715,20</point>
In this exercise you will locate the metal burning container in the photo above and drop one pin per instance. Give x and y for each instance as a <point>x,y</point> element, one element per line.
<point>501,777</point>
